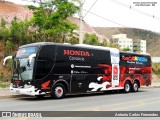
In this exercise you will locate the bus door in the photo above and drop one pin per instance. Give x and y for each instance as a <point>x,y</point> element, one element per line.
<point>115,66</point>
<point>44,65</point>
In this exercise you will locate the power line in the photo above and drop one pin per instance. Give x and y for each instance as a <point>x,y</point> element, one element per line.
<point>90,8</point>
<point>105,18</point>
<point>139,11</point>
<point>82,3</point>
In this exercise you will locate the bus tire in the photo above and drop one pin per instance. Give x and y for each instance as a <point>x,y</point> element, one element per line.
<point>135,87</point>
<point>58,91</point>
<point>127,87</point>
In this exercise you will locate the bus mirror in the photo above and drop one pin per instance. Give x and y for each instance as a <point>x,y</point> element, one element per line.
<point>30,59</point>
<point>6,58</point>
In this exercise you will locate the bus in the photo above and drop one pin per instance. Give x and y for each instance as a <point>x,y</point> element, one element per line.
<point>58,69</point>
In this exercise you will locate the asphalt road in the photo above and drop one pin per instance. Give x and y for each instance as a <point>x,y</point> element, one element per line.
<point>147,99</point>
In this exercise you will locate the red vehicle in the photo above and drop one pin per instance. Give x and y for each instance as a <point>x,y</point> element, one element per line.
<point>57,69</point>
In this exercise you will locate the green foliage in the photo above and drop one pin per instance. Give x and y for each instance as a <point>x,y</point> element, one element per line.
<point>104,43</point>
<point>156,68</point>
<point>3,23</point>
<point>91,39</point>
<point>144,34</point>
<point>4,85</point>
<point>9,47</point>
<point>50,20</point>
<point>4,33</point>
<point>4,81</point>
<point>74,38</point>
<point>4,78</point>
<point>19,31</point>
<point>49,23</point>
<point>126,49</point>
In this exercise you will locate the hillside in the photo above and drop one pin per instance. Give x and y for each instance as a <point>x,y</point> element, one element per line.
<point>152,38</point>
<point>9,10</point>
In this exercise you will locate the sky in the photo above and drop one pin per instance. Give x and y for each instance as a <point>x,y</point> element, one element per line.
<point>119,13</point>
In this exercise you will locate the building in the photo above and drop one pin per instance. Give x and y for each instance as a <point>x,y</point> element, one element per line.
<point>123,42</point>
<point>155,59</point>
<point>139,46</point>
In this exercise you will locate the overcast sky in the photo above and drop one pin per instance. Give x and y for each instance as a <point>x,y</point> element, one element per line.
<point>120,13</point>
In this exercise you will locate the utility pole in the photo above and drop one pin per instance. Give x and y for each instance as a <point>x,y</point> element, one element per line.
<point>81,23</point>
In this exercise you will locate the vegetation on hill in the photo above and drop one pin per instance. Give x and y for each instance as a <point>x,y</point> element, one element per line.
<point>49,23</point>
<point>156,68</point>
<point>152,38</point>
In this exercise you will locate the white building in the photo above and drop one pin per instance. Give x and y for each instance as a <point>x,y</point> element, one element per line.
<point>139,46</point>
<point>134,45</point>
<point>122,41</point>
<point>155,59</point>
<point>143,46</point>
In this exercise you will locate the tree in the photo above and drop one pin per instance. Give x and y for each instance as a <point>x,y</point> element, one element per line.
<point>50,18</point>
<point>3,23</point>
<point>126,49</point>
<point>4,31</point>
<point>91,39</point>
<point>19,31</point>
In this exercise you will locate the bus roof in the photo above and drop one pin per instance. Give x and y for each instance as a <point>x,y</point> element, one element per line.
<point>38,44</point>
<point>145,54</point>
<point>79,46</point>
<point>75,45</point>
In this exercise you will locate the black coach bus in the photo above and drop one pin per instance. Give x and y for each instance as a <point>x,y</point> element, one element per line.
<point>57,69</point>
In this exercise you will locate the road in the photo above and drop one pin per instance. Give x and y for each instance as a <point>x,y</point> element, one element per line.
<point>147,99</point>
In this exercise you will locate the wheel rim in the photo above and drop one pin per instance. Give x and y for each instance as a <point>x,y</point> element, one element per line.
<point>135,87</point>
<point>58,91</point>
<point>127,87</point>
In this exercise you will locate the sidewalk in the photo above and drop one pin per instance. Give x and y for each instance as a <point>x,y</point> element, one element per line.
<point>155,84</point>
<point>5,92</point>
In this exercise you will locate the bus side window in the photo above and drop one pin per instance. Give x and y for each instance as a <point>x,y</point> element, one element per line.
<point>45,61</point>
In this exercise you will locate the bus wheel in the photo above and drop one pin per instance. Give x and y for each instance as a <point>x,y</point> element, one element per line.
<point>135,87</point>
<point>58,91</point>
<point>127,87</point>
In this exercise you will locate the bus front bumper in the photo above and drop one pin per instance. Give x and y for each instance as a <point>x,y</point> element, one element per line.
<point>26,91</point>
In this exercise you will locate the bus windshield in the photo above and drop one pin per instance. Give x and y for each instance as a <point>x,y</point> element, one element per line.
<point>22,70</point>
<point>23,65</point>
